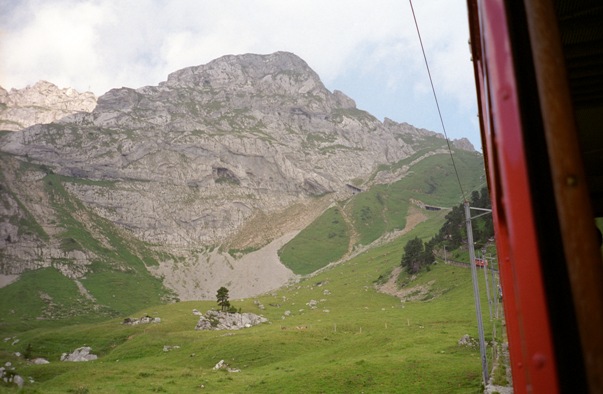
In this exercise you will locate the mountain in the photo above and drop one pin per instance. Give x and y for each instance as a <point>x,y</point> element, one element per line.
<point>43,102</point>
<point>194,183</point>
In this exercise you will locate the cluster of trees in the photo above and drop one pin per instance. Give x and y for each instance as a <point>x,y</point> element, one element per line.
<point>417,255</point>
<point>452,234</point>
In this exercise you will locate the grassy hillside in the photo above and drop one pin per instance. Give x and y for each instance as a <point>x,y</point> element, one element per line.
<point>329,237</point>
<point>117,281</point>
<point>383,208</point>
<point>355,340</point>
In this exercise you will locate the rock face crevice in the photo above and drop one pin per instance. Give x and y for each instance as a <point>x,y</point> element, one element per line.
<point>184,165</point>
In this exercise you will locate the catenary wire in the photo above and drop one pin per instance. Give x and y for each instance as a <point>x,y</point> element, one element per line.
<point>436,101</point>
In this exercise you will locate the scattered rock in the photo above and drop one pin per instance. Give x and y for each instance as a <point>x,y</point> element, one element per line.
<point>217,320</point>
<point>222,365</point>
<point>326,292</point>
<point>7,375</point>
<point>312,304</point>
<point>468,341</point>
<point>79,355</point>
<point>219,365</point>
<point>143,320</point>
<point>40,361</point>
<point>259,305</point>
<point>18,380</point>
<point>167,348</point>
<point>287,313</point>
<point>196,312</point>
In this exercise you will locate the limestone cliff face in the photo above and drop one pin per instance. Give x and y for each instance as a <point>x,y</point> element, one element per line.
<point>206,149</point>
<point>238,152</point>
<point>43,102</point>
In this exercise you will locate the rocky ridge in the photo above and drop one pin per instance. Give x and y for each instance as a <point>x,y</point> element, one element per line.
<point>218,320</point>
<point>205,158</point>
<point>42,102</point>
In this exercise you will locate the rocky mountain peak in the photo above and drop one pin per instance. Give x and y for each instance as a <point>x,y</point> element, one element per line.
<point>249,78</point>
<point>43,102</point>
<point>235,71</point>
<point>464,144</point>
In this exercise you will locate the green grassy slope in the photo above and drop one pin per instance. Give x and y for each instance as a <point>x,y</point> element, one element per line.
<point>328,236</point>
<point>356,340</point>
<point>41,294</point>
<point>117,280</point>
<point>383,208</point>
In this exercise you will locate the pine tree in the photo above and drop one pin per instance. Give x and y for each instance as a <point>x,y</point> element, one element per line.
<point>412,259</point>
<point>222,298</point>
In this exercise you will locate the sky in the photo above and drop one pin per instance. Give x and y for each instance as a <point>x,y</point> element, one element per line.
<point>367,49</point>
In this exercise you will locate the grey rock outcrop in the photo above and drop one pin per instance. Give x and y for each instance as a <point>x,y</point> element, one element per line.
<point>79,355</point>
<point>43,102</point>
<point>221,365</point>
<point>217,320</point>
<point>143,320</point>
<point>19,381</point>
<point>463,144</point>
<point>468,341</point>
<point>9,375</point>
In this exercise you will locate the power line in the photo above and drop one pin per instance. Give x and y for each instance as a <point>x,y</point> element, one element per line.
<point>436,101</point>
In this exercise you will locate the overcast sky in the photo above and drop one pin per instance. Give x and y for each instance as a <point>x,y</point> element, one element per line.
<point>367,49</point>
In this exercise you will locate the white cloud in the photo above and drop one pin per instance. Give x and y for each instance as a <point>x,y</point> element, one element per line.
<point>116,40</point>
<point>57,44</point>
<point>101,44</point>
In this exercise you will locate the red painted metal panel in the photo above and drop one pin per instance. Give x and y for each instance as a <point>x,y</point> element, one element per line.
<point>528,326</point>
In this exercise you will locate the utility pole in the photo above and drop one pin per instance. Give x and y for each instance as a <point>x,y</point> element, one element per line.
<point>478,308</point>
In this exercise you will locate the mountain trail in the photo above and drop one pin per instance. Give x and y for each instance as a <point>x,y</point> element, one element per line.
<point>414,217</point>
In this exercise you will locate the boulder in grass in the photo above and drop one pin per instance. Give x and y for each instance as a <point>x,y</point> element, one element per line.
<point>79,355</point>
<point>217,320</point>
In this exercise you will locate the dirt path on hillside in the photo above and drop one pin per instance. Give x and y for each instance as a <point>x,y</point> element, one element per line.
<point>409,293</point>
<point>415,216</point>
<point>354,236</point>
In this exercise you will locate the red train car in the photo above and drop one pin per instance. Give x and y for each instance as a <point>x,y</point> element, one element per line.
<point>539,74</point>
<point>481,262</point>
